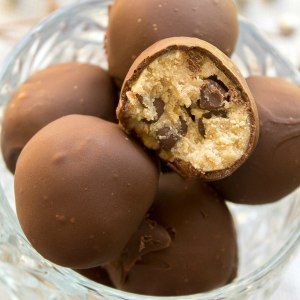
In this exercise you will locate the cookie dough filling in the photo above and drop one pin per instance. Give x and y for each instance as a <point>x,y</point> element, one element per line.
<point>185,107</point>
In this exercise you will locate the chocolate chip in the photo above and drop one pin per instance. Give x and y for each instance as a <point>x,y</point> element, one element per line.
<point>216,112</point>
<point>167,138</point>
<point>207,115</point>
<point>220,113</point>
<point>140,99</point>
<point>201,127</point>
<point>183,127</point>
<point>212,95</point>
<point>214,79</point>
<point>189,112</point>
<point>159,105</point>
<point>211,98</point>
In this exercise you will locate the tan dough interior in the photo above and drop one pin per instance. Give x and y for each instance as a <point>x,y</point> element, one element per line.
<point>163,109</point>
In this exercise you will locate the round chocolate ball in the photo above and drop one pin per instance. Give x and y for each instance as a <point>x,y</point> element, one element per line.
<point>82,188</point>
<point>136,25</point>
<point>59,90</point>
<point>272,171</point>
<point>189,245</point>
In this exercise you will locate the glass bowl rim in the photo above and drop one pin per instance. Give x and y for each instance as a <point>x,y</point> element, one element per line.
<point>238,285</point>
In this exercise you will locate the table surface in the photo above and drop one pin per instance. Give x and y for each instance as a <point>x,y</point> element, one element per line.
<point>282,25</point>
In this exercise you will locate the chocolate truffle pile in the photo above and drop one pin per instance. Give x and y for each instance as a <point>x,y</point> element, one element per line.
<point>90,194</point>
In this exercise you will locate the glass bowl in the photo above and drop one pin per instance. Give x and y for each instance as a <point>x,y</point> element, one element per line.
<point>268,234</point>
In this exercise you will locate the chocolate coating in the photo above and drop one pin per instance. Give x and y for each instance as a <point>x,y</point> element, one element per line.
<point>47,95</point>
<point>97,274</point>
<point>191,247</point>
<point>82,188</point>
<point>272,171</point>
<point>150,21</point>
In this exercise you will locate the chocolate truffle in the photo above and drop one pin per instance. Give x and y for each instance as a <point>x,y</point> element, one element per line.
<point>136,25</point>
<point>59,90</point>
<point>97,274</point>
<point>273,170</point>
<point>189,246</point>
<point>185,99</point>
<point>82,188</point>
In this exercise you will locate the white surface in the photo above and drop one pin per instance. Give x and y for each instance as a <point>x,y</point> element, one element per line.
<point>267,16</point>
<point>289,288</point>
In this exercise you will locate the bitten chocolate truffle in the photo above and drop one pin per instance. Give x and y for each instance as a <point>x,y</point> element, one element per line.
<point>185,99</point>
<point>59,90</point>
<point>188,244</point>
<point>82,188</point>
<point>272,171</point>
<point>136,25</point>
